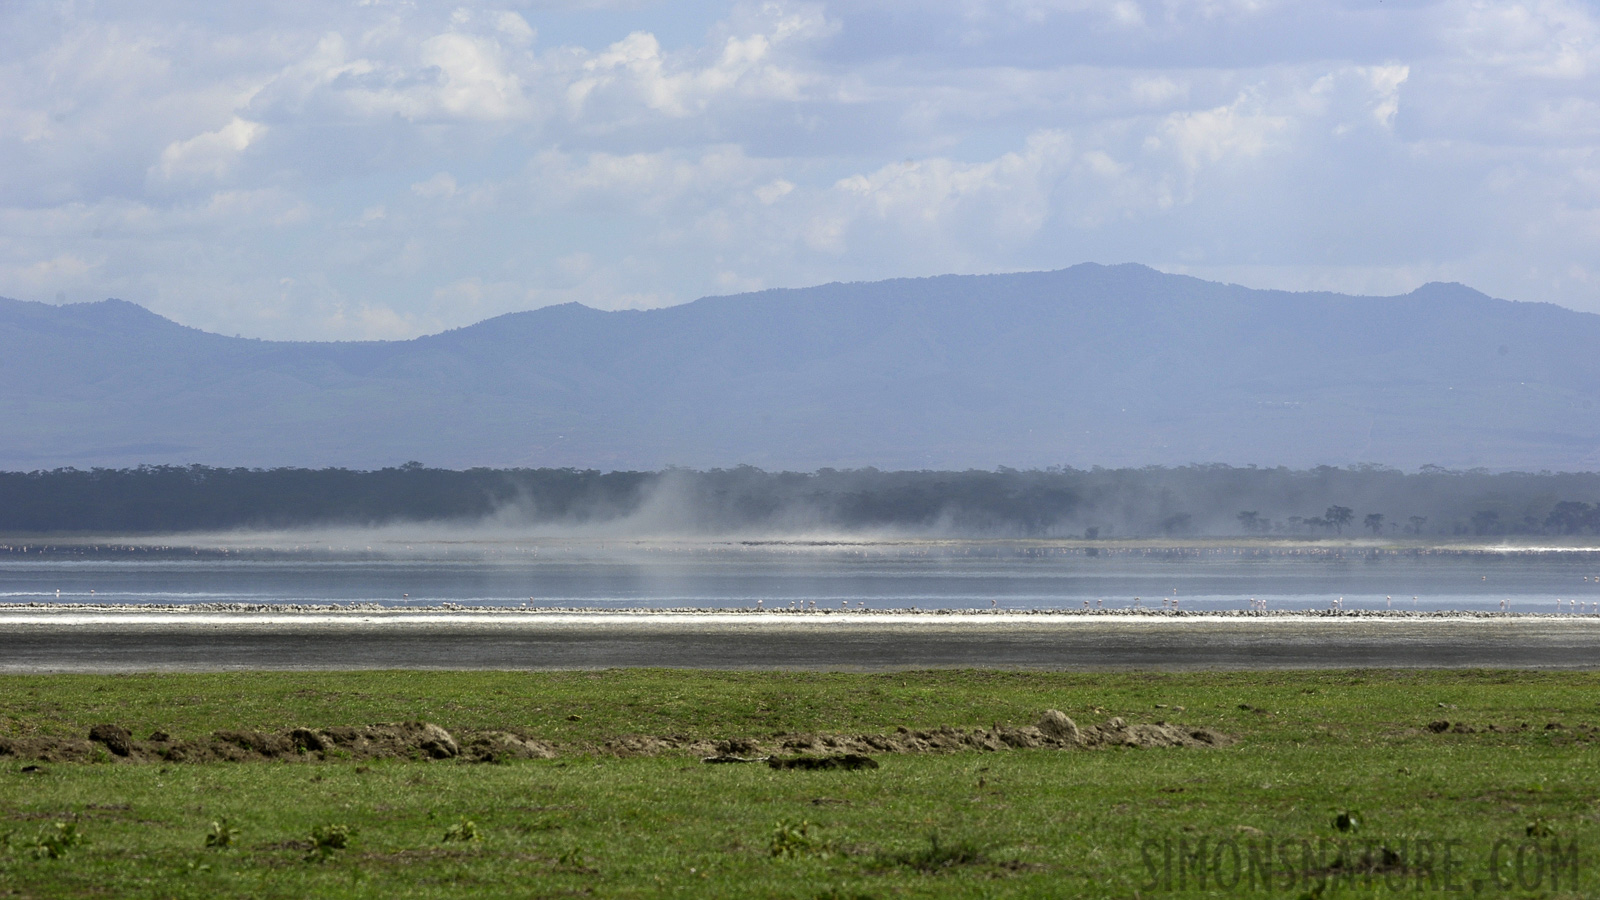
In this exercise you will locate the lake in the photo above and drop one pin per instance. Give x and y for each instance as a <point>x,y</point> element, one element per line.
<point>588,573</point>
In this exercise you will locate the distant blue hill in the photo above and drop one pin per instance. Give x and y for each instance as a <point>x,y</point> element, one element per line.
<point>1092,365</point>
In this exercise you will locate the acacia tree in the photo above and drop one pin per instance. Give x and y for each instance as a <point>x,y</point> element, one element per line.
<point>1374,521</point>
<point>1339,516</point>
<point>1572,516</point>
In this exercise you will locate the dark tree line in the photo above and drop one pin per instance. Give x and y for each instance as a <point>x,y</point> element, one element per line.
<point>1103,503</point>
<point>195,498</point>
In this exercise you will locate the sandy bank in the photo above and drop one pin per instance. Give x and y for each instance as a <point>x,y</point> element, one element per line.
<point>82,639</point>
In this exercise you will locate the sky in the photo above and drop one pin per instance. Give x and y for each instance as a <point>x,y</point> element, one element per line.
<point>373,169</point>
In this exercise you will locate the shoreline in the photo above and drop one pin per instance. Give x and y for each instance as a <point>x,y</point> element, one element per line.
<point>14,611</point>
<point>81,639</point>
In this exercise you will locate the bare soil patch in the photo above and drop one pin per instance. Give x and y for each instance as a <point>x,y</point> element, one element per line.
<point>1441,726</point>
<point>427,741</point>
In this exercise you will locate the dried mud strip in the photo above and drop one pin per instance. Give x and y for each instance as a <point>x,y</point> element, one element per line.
<point>424,740</point>
<point>1580,733</point>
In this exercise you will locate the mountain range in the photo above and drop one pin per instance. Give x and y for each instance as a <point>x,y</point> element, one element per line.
<point>1091,365</point>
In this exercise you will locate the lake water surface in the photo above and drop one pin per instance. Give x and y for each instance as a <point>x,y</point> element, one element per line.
<point>593,574</point>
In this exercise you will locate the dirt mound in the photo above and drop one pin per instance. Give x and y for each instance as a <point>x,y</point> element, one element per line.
<point>1117,733</point>
<point>49,749</point>
<point>425,740</point>
<point>737,747</point>
<point>1557,731</point>
<point>945,739</point>
<point>384,740</point>
<point>500,746</point>
<point>116,738</point>
<point>1054,723</point>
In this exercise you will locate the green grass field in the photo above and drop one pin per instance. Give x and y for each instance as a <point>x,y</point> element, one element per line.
<point>1431,811</point>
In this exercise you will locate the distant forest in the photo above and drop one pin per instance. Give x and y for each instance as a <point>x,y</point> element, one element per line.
<point>1057,502</point>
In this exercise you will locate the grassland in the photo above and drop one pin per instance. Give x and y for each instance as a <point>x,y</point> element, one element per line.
<point>1023,823</point>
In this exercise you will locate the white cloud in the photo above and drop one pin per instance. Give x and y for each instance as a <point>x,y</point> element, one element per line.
<point>746,69</point>
<point>439,187</point>
<point>774,191</point>
<point>474,83</point>
<point>43,275</point>
<point>1538,38</point>
<point>1156,90</point>
<point>210,155</point>
<point>1386,81</point>
<point>636,58</point>
<point>1014,188</point>
<point>384,168</point>
<point>448,76</point>
<point>371,322</point>
<point>515,28</point>
<point>1238,131</point>
<point>647,182</point>
<point>1122,13</point>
